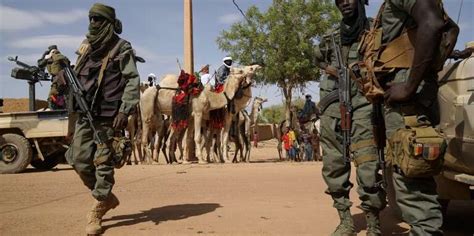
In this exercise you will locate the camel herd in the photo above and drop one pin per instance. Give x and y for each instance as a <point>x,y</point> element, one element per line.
<point>151,132</point>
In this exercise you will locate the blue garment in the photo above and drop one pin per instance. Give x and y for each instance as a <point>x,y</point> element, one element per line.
<point>308,150</point>
<point>292,153</point>
<point>222,73</point>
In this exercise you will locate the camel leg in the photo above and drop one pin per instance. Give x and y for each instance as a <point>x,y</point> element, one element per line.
<point>137,146</point>
<point>156,149</point>
<point>225,137</point>
<point>145,142</point>
<point>197,136</point>
<point>165,134</point>
<point>247,147</point>
<point>172,148</point>
<point>180,144</point>
<point>208,143</point>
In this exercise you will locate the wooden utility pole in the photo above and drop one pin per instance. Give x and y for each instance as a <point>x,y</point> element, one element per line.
<point>188,37</point>
<point>189,68</point>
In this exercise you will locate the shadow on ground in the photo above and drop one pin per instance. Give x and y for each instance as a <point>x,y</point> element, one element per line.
<point>162,214</point>
<point>55,169</point>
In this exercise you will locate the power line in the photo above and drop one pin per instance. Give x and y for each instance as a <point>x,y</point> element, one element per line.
<point>241,12</point>
<point>459,13</point>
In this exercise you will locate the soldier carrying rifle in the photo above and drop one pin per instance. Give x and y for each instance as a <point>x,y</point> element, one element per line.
<point>346,132</point>
<point>105,93</point>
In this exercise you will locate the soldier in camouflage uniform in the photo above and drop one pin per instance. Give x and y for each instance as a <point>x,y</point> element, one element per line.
<point>412,92</point>
<point>336,170</point>
<point>115,97</point>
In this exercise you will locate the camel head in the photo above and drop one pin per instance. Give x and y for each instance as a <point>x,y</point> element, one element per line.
<point>250,72</point>
<point>241,76</point>
<point>258,101</point>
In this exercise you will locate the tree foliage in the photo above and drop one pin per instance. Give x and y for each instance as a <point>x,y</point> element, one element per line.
<point>276,113</point>
<point>283,40</point>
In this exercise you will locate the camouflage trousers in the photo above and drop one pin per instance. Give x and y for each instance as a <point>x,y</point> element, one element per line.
<point>336,171</point>
<point>92,162</point>
<point>416,197</point>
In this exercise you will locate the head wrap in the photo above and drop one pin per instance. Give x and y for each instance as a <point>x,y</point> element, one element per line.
<point>205,67</point>
<point>103,34</point>
<point>350,32</point>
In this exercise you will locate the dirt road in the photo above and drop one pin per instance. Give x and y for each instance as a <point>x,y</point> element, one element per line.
<point>261,198</point>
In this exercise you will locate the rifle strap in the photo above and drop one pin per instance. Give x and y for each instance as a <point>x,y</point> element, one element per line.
<point>327,100</point>
<point>105,61</point>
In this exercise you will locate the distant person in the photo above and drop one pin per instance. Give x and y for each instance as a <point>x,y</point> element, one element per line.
<point>255,139</point>
<point>308,146</point>
<point>206,78</point>
<point>316,145</point>
<point>224,70</point>
<point>289,142</point>
<point>309,109</point>
<point>49,60</point>
<point>151,79</point>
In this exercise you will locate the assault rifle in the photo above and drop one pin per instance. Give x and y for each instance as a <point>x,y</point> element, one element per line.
<point>345,105</point>
<point>378,128</point>
<point>378,125</point>
<point>78,92</point>
<point>32,74</point>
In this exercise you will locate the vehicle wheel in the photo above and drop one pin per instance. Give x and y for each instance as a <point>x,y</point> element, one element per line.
<point>16,154</point>
<point>49,162</point>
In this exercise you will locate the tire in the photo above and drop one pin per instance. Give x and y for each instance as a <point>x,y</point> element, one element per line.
<point>49,161</point>
<point>16,154</point>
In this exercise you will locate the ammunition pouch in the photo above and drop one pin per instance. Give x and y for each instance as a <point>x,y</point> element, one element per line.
<point>418,150</point>
<point>121,151</point>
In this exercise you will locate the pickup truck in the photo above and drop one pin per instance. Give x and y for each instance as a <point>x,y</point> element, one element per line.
<point>36,137</point>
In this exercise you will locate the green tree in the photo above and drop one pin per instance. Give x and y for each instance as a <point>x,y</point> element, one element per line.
<point>283,39</point>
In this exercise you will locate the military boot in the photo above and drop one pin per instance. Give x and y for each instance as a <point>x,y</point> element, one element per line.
<point>99,209</point>
<point>346,227</point>
<point>373,223</point>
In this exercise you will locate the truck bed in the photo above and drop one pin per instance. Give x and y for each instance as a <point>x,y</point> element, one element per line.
<point>36,124</point>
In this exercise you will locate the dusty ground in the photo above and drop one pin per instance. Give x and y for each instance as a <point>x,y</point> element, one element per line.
<point>261,198</point>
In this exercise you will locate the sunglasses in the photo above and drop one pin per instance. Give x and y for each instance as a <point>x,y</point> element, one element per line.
<point>96,18</point>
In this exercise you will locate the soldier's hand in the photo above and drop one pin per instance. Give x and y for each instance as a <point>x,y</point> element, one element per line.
<point>456,54</point>
<point>120,121</point>
<point>331,70</point>
<point>398,92</point>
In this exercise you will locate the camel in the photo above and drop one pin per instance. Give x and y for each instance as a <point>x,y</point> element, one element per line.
<point>158,100</point>
<point>246,123</point>
<point>241,136</point>
<point>134,131</point>
<point>239,103</point>
<point>134,128</point>
<point>239,79</point>
<point>256,108</point>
